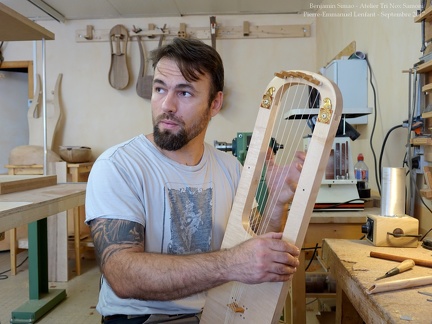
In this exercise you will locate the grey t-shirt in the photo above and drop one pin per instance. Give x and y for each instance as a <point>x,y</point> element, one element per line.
<point>184,209</point>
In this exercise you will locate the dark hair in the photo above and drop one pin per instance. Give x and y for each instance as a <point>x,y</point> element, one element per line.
<point>194,58</point>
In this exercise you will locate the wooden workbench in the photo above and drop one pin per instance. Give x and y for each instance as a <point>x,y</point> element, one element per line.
<point>331,224</point>
<point>355,271</point>
<point>24,207</point>
<point>75,172</point>
<point>33,207</point>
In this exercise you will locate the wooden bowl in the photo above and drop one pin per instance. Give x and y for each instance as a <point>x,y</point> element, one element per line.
<point>75,154</point>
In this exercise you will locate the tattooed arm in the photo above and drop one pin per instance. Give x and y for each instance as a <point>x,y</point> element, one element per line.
<point>133,273</point>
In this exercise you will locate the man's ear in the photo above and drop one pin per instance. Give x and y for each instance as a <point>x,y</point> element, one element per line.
<point>216,105</point>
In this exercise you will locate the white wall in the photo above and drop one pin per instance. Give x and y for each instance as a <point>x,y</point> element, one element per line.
<point>99,116</point>
<point>14,129</point>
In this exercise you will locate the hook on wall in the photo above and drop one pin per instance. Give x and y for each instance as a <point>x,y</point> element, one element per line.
<point>89,32</point>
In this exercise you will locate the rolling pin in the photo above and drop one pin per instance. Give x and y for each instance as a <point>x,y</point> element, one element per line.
<point>420,262</point>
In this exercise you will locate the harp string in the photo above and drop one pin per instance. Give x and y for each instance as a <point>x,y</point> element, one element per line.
<point>277,170</point>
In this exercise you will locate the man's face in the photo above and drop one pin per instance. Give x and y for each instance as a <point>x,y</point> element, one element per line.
<point>180,109</point>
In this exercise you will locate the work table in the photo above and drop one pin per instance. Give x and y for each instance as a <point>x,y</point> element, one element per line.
<point>355,271</point>
<point>24,207</point>
<point>33,207</point>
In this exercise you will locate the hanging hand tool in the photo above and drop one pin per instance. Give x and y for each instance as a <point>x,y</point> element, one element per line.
<point>213,26</point>
<point>404,266</point>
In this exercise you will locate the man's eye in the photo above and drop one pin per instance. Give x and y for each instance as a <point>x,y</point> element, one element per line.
<point>186,94</point>
<point>158,90</point>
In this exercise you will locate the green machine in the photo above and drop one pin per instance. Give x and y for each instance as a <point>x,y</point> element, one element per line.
<point>239,147</point>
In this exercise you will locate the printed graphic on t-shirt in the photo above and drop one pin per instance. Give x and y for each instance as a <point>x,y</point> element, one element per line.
<point>191,220</point>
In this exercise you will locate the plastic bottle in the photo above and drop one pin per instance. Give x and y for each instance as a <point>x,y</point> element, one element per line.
<point>361,172</point>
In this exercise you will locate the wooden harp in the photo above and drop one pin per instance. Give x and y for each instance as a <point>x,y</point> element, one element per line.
<point>235,302</point>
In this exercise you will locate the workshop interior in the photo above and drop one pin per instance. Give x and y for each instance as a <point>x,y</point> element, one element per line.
<point>76,78</point>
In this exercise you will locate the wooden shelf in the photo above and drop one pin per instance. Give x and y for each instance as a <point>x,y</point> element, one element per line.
<point>427,88</point>
<point>421,141</point>
<point>427,114</point>
<point>425,67</point>
<point>15,27</point>
<point>426,15</point>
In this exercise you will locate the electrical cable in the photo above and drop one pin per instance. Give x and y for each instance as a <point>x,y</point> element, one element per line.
<point>374,125</point>
<point>312,257</point>
<point>2,274</point>
<point>411,112</point>
<point>383,147</point>
<point>422,238</point>
<point>341,203</point>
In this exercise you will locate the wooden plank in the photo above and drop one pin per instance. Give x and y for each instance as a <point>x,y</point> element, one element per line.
<point>58,269</point>
<point>421,141</point>
<point>425,67</point>
<point>427,114</point>
<point>427,88</point>
<point>16,27</point>
<point>36,204</point>
<point>425,15</point>
<point>15,183</point>
<point>222,32</point>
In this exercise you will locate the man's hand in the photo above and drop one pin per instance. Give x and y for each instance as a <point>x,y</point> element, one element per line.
<point>282,180</point>
<point>265,258</point>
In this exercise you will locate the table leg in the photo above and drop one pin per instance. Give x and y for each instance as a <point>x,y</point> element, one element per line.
<point>13,250</point>
<point>41,298</point>
<point>345,311</point>
<point>298,296</point>
<point>74,174</point>
<point>77,239</point>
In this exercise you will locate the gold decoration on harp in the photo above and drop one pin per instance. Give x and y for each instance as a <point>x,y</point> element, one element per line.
<point>325,112</point>
<point>236,308</point>
<point>268,98</point>
<point>297,74</point>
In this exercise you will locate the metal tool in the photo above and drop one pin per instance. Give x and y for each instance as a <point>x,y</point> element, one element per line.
<point>425,293</point>
<point>404,266</point>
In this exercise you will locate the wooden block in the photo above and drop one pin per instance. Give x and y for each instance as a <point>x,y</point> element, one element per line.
<point>15,183</point>
<point>382,225</point>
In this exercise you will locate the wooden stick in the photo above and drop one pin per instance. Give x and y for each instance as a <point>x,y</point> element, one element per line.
<point>399,284</point>
<point>420,262</point>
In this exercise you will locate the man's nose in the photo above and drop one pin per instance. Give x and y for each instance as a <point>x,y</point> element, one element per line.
<point>169,103</point>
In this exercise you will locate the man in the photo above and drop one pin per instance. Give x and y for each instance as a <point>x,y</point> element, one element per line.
<point>158,204</point>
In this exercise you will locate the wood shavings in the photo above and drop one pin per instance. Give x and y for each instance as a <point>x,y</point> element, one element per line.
<point>359,268</point>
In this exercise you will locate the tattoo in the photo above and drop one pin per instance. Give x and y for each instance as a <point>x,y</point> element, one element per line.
<point>113,235</point>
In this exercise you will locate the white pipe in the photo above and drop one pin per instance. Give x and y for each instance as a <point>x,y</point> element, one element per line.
<point>44,109</point>
<point>34,67</point>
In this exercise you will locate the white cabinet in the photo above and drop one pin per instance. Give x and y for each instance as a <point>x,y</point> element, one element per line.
<point>351,76</point>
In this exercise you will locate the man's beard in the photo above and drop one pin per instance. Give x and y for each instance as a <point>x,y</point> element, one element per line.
<point>170,141</point>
